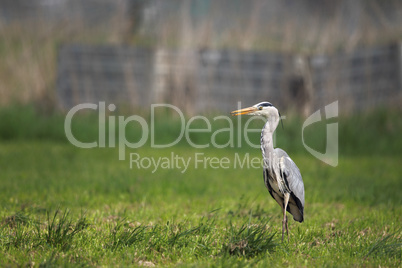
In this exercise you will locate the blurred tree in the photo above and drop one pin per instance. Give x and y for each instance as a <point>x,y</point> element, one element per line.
<point>134,16</point>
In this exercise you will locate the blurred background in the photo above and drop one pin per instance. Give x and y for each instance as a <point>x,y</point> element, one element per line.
<point>202,56</point>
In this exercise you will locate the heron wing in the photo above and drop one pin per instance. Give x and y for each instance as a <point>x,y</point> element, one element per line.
<point>293,179</point>
<point>266,180</point>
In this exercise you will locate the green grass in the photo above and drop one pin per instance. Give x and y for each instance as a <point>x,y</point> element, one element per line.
<point>62,205</point>
<point>83,207</point>
<point>376,132</point>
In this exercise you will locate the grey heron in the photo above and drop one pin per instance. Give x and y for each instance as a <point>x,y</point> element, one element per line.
<point>281,175</point>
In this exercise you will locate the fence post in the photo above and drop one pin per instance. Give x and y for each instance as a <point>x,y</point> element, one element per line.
<point>399,51</point>
<point>161,71</point>
<point>302,71</point>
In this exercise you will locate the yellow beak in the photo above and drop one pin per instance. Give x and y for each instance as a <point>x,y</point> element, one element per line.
<point>244,111</point>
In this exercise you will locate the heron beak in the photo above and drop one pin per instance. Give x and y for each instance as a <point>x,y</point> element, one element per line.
<point>244,111</point>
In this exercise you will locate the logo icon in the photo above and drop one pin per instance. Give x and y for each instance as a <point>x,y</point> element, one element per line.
<point>331,154</point>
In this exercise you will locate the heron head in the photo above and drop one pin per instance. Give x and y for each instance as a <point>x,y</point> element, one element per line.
<point>264,108</point>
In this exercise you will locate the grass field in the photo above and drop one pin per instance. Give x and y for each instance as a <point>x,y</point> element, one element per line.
<point>63,205</point>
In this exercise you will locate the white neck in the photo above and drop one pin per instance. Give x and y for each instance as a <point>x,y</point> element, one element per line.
<point>267,143</point>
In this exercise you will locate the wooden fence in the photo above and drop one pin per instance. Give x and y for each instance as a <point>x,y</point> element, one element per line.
<point>215,80</point>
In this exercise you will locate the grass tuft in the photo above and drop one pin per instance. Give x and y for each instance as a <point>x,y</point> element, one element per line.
<point>250,240</point>
<point>389,246</point>
<point>61,230</point>
<point>18,238</point>
<point>18,218</point>
<point>123,237</point>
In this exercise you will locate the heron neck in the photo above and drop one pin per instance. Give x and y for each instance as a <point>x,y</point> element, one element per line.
<point>267,145</point>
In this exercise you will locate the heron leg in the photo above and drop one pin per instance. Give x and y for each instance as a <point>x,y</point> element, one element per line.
<point>285,218</point>
<point>287,233</point>
<point>283,227</point>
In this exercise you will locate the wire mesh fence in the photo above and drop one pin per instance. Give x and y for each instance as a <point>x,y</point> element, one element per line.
<point>215,80</point>
<point>202,55</point>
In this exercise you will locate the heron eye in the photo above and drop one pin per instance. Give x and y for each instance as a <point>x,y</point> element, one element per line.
<point>260,108</point>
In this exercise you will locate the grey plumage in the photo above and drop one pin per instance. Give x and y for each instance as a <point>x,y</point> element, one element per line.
<point>281,175</point>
